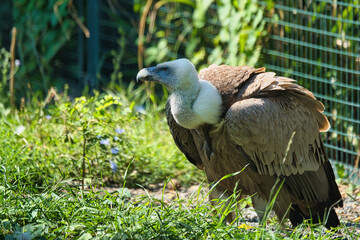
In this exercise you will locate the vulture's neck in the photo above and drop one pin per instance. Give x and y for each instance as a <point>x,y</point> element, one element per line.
<point>197,105</point>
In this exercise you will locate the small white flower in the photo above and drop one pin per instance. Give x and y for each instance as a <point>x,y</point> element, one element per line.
<point>19,130</point>
<point>115,150</point>
<point>119,130</point>
<point>17,63</point>
<point>140,109</point>
<point>113,166</point>
<point>104,142</point>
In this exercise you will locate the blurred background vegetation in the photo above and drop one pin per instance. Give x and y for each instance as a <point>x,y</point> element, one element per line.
<point>78,47</point>
<point>58,42</point>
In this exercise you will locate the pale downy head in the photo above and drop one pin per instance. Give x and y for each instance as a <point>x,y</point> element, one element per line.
<point>193,101</point>
<point>177,75</point>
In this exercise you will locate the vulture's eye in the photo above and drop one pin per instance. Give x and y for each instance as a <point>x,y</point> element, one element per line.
<point>163,69</point>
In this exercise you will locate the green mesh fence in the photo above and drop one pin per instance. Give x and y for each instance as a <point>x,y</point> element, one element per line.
<point>318,44</point>
<point>5,26</point>
<point>110,54</point>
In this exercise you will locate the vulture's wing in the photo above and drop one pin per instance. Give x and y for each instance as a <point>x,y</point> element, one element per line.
<point>272,114</point>
<point>183,139</point>
<point>272,109</point>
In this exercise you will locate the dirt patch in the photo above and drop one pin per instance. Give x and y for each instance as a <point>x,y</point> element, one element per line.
<point>350,213</point>
<point>351,210</point>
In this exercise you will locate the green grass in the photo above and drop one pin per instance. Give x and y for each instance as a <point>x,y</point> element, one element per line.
<point>46,146</point>
<point>66,212</point>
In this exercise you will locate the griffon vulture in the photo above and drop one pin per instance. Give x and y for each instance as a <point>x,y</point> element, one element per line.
<point>228,118</point>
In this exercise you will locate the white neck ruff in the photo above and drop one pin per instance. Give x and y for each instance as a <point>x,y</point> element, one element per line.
<point>205,108</point>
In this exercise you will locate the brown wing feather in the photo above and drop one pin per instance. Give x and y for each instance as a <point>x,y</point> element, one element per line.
<point>183,139</point>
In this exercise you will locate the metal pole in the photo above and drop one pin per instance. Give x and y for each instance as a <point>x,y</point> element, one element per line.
<point>93,43</point>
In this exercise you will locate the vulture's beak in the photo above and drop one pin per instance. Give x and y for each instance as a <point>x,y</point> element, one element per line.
<point>146,74</point>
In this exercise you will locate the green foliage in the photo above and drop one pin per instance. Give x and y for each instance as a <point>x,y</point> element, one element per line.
<point>5,76</point>
<point>239,42</point>
<point>44,27</point>
<point>89,125</point>
<point>183,28</point>
<point>93,139</point>
<point>341,171</point>
<point>206,32</point>
<point>5,59</point>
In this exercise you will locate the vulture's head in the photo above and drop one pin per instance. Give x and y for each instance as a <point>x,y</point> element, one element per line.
<point>177,75</point>
<point>193,101</point>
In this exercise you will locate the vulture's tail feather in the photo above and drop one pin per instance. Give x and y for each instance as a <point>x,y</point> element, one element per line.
<point>333,220</point>
<point>296,217</point>
<point>328,218</point>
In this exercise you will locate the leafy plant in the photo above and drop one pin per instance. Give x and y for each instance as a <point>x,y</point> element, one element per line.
<point>89,125</point>
<point>206,32</point>
<point>44,27</point>
<point>5,75</point>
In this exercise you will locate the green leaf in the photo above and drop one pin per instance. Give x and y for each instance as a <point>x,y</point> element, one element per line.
<point>85,236</point>
<point>200,11</point>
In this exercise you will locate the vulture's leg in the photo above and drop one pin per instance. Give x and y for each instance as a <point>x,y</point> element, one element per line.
<point>218,197</point>
<point>260,206</point>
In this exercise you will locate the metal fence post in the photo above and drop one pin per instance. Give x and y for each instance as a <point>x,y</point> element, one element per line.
<point>80,51</point>
<point>93,43</point>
